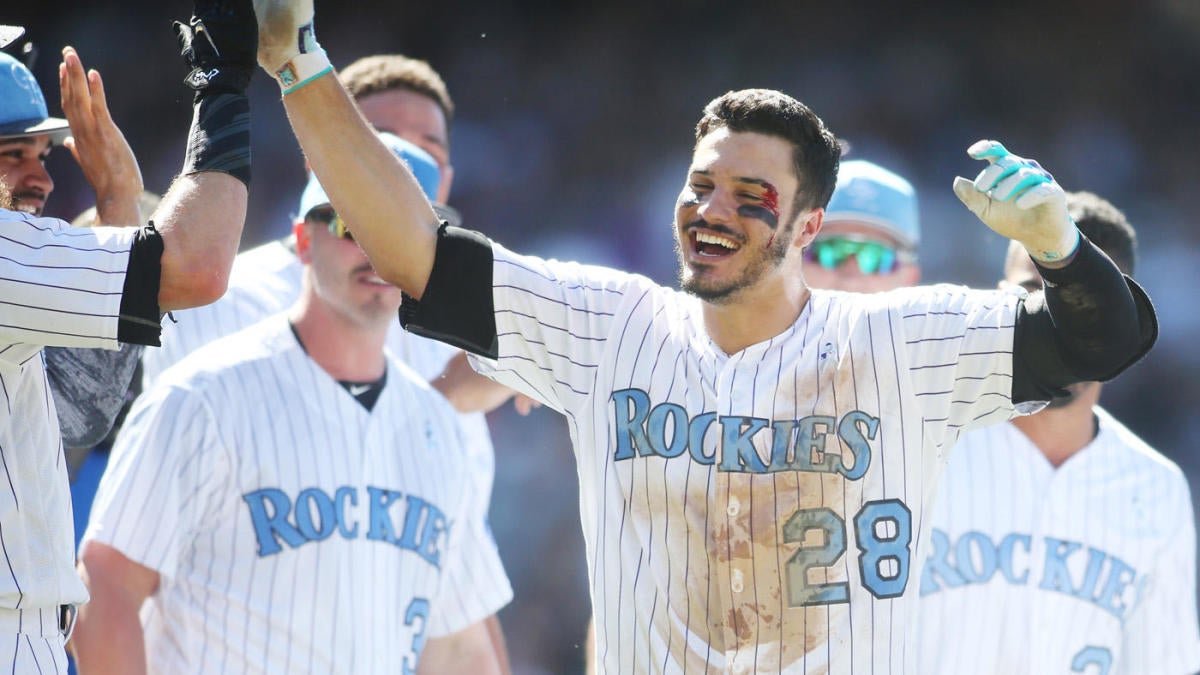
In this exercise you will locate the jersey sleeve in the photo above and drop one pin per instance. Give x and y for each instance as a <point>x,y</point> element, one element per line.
<point>1161,635</point>
<point>60,285</point>
<point>167,472</point>
<point>958,345</point>
<point>475,585</point>
<point>553,323</point>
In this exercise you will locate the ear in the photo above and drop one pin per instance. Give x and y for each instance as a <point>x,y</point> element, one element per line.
<point>808,225</point>
<point>303,241</point>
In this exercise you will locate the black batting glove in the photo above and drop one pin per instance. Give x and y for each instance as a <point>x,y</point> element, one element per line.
<point>220,43</point>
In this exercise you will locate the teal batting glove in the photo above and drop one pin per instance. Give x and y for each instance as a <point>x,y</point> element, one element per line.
<point>1020,200</point>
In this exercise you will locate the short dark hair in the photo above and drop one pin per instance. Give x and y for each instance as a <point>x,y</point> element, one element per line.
<point>387,72</point>
<point>815,151</point>
<point>1106,226</point>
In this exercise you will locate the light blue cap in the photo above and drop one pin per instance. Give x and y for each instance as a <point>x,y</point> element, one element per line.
<point>421,163</point>
<point>870,194</point>
<point>22,106</point>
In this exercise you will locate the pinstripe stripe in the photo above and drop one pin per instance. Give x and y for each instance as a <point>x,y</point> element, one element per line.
<point>333,603</point>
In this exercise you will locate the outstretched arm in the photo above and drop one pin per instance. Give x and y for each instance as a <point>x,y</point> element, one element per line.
<point>1093,322</point>
<point>367,184</point>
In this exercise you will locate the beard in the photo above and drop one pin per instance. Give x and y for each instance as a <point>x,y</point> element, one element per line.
<point>764,260</point>
<point>5,197</point>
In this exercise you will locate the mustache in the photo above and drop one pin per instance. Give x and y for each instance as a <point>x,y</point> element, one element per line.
<point>719,229</point>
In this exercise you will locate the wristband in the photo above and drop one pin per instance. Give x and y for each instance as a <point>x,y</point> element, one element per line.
<point>219,139</point>
<point>302,69</point>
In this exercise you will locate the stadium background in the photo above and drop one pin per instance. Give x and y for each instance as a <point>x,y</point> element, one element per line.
<point>574,130</point>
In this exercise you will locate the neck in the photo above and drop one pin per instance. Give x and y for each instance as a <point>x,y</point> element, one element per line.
<point>348,351</point>
<point>1061,432</point>
<point>757,314</point>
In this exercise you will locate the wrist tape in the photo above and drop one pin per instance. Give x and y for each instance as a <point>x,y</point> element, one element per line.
<point>220,136</point>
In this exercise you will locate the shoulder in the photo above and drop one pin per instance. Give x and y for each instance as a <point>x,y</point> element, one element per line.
<point>569,275</point>
<point>232,355</point>
<point>1136,451</point>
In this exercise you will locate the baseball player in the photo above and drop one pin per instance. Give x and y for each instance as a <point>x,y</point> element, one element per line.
<point>344,534</point>
<point>754,457</point>
<point>1061,542</point>
<point>868,239</point>
<point>87,384</point>
<point>407,97</point>
<point>97,287</point>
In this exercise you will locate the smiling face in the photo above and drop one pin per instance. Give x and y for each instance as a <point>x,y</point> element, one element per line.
<point>23,170</point>
<point>736,221</point>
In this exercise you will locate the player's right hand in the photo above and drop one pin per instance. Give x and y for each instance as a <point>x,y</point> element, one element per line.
<point>285,30</point>
<point>1020,200</point>
<point>219,42</point>
<point>98,145</point>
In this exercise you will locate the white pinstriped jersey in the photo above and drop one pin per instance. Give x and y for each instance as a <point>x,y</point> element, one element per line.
<point>60,286</point>
<point>1087,568</point>
<point>308,536</point>
<point>266,280</point>
<point>759,511</point>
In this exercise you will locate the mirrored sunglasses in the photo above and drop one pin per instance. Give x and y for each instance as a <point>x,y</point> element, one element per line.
<point>327,216</point>
<point>872,256</point>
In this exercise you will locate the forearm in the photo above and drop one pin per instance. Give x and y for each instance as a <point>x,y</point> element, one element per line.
<point>108,634</point>
<point>200,220</point>
<point>370,188</point>
<point>467,390</point>
<point>1094,324</point>
<point>470,651</point>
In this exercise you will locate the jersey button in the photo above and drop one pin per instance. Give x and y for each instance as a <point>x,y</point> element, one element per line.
<point>735,583</point>
<point>734,507</point>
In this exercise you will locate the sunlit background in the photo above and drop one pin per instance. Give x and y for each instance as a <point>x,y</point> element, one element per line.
<point>574,129</point>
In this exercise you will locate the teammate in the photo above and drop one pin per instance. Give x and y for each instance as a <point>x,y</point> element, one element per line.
<point>87,384</point>
<point>752,474</point>
<point>407,97</point>
<point>94,288</point>
<point>1061,542</point>
<point>868,239</point>
<point>346,533</point>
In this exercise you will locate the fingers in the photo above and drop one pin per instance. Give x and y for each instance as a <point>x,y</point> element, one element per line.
<point>989,150</point>
<point>1016,184</point>
<point>971,197</point>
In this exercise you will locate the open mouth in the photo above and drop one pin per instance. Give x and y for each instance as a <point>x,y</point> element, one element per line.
<point>712,245</point>
<point>374,280</point>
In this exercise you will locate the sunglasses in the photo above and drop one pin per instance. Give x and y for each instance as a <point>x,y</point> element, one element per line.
<point>873,257</point>
<point>330,219</point>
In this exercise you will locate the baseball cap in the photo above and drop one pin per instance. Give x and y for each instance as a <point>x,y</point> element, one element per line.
<point>22,106</point>
<point>423,166</point>
<point>870,194</point>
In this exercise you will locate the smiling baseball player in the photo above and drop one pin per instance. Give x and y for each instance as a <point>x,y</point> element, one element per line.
<point>754,457</point>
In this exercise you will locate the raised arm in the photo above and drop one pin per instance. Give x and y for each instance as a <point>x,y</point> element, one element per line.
<point>369,187</point>
<point>1092,322</point>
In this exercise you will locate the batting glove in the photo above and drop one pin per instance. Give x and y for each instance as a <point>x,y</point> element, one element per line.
<point>1019,199</point>
<point>219,44</point>
<point>287,43</point>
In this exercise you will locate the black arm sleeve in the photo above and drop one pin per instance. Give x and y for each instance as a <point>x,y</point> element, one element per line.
<point>1089,324</point>
<point>140,320</point>
<point>457,307</point>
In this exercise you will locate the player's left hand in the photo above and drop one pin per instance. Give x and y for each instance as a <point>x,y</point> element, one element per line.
<point>1019,199</point>
<point>98,145</point>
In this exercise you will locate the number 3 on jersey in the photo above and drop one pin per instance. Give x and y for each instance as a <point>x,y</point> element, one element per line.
<point>883,532</point>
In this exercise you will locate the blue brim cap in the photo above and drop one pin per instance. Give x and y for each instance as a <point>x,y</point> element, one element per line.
<point>870,194</point>
<point>22,106</point>
<point>423,166</point>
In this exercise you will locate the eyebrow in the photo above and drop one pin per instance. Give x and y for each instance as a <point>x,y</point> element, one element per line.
<point>741,179</point>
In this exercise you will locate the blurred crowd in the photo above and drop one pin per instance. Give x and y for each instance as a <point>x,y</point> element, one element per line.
<point>574,128</point>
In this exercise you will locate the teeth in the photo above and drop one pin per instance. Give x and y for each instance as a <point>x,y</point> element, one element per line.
<point>377,280</point>
<point>26,208</point>
<point>706,238</point>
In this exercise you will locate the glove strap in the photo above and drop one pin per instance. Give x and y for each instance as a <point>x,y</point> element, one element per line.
<point>302,69</point>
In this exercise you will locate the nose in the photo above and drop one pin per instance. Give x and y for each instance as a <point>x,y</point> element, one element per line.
<point>720,207</point>
<point>36,176</point>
